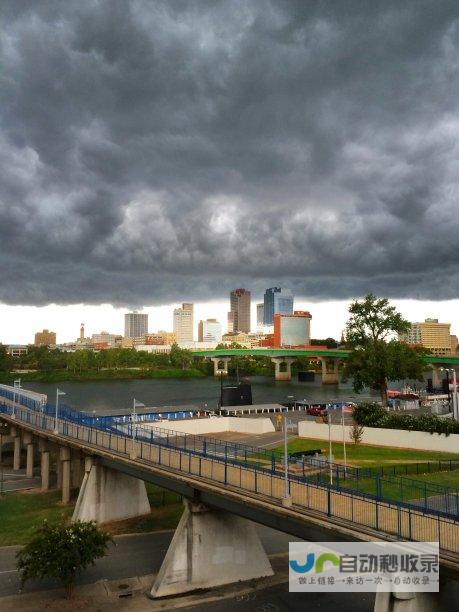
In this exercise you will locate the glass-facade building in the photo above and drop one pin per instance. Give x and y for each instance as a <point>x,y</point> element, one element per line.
<point>276,301</point>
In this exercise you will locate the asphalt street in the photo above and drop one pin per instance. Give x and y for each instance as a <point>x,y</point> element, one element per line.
<point>137,555</point>
<point>278,599</point>
<point>133,555</point>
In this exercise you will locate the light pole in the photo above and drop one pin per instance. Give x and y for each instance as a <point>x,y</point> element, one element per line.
<point>344,437</point>
<point>16,385</point>
<point>287,499</point>
<point>330,445</point>
<point>135,403</point>
<point>59,393</point>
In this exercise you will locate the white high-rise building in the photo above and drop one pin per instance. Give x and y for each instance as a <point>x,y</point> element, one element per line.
<point>183,323</point>
<point>135,324</point>
<point>209,331</point>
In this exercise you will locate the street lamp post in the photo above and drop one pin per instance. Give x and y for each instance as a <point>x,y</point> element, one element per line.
<point>16,385</point>
<point>330,444</point>
<point>344,437</point>
<point>286,487</point>
<point>59,393</point>
<point>135,404</point>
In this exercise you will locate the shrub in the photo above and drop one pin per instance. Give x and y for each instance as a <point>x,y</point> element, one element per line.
<point>61,551</point>
<point>356,433</point>
<point>370,414</point>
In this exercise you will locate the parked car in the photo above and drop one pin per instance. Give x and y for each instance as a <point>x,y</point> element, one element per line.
<point>316,410</point>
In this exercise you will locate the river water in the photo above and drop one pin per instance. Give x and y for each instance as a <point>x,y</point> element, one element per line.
<point>107,397</point>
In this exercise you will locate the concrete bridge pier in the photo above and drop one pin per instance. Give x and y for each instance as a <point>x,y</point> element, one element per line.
<point>210,548</point>
<point>43,447</point>
<point>220,365</point>
<point>398,601</point>
<point>108,495</point>
<point>283,367</point>
<point>64,458</point>
<point>16,435</point>
<point>28,442</point>
<point>330,373</point>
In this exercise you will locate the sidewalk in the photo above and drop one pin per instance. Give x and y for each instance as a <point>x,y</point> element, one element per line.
<point>131,595</point>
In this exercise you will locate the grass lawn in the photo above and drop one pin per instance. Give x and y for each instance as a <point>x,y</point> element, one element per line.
<point>367,456</point>
<point>22,512</point>
<point>402,488</point>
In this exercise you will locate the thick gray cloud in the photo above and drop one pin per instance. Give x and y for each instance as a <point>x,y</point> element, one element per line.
<point>158,151</point>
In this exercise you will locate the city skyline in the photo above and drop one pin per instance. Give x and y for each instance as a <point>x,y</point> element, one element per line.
<point>19,324</point>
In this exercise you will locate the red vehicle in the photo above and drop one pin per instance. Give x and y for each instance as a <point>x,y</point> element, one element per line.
<point>316,410</point>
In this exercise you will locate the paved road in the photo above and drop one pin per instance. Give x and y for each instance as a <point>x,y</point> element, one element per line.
<point>278,599</point>
<point>135,555</point>
<point>16,480</point>
<point>138,555</point>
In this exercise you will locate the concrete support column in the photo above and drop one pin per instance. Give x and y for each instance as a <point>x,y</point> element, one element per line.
<point>43,448</point>
<point>210,548</point>
<point>64,456</point>
<point>28,442</point>
<point>58,472</point>
<point>108,495</point>
<point>413,602</point>
<point>283,367</point>
<point>220,365</point>
<point>17,452</point>
<point>45,470</point>
<point>330,373</point>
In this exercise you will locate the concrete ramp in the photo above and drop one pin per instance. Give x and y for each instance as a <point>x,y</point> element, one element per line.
<point>210,548</point>
<point>108,495</point>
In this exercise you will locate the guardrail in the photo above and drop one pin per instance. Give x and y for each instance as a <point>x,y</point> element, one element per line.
<point>394,519</point>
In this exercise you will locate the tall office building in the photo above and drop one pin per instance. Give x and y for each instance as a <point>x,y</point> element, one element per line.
<point>276,301</point>
<point>45,338</point>
<point>260,312</point>
<point>135,324</point>
<point>239,314</point>
<point>183,323</point>
<point>432,335</point>
<point>209,331</point>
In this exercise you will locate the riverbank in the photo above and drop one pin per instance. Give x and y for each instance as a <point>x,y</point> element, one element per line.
<point>102,375</point>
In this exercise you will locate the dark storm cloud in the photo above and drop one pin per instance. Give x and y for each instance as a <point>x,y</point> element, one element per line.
<point>154,151</point>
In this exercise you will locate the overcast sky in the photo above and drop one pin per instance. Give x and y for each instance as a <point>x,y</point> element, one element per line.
<point>159,152</point>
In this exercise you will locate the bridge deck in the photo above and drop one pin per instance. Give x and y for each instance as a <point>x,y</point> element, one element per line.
<point>279,352</point>
<point>190,472</point>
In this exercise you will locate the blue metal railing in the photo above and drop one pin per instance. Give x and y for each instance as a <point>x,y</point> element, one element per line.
<point>332,500</point>
<point>312,470</point>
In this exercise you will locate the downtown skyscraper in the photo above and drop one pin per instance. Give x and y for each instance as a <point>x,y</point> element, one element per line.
<point>276,301</point>
<point>239,314</point>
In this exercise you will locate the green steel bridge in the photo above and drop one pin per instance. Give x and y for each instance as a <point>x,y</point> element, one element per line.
<point>329,353</point>
<point>330,358</point>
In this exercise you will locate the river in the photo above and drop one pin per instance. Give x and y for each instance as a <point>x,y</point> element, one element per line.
<point>115,396</point>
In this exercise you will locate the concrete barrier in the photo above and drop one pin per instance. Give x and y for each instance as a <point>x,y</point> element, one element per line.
<point>400,438</point>
<point>217,425</point>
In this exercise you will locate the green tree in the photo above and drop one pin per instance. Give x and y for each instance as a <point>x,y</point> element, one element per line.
<point>61,551</point>
<point>5,360</point>
<point>376,357</point>
<point>180,357</point>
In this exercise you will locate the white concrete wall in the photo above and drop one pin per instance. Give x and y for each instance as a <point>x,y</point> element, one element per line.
<point>216,425</point>
<point>419,440</point>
